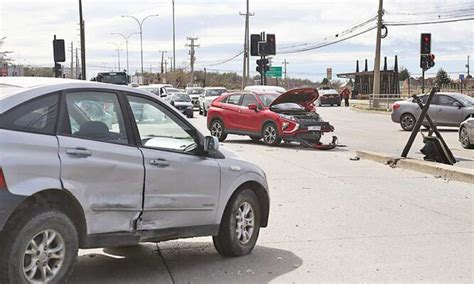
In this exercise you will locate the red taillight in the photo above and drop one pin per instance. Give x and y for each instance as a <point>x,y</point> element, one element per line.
<point>395,106</point>
<point>3,182</point>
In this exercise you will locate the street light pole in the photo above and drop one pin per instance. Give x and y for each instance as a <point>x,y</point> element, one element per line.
<point>140,24</point>
<point>126,38</point>
<point>174,41</point>
<point>376,86</point>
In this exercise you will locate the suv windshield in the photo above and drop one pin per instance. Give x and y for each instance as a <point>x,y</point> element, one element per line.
<point>268,98</point>
<point>181,98</point>
<point>214,92</point>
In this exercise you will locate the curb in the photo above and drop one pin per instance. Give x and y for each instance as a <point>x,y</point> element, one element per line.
<point>436,169</point>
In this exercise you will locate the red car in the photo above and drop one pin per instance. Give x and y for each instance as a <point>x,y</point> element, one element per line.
<point>290,116</point>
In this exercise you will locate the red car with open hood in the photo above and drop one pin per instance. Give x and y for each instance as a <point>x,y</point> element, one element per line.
<point>273,117</point>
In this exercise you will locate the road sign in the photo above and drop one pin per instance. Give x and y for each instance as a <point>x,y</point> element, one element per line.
<point>461,77</point>
<point>275,72</point>
<point>329,73</point>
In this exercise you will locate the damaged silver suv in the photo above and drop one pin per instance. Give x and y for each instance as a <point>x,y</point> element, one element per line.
<point>87,165</point>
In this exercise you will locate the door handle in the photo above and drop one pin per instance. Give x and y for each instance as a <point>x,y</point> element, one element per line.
<point>79,152</point>
<point>162,163</point>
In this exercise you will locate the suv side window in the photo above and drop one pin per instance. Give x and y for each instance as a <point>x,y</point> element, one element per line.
<point>38,115</point>
<point>161,128</point>
<point>233,99</point>
<point>249,99</point>
<point>95,115</point>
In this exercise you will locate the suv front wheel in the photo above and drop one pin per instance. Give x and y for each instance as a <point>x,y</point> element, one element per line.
<point>217,130</point>
<point>38,247</point>
<point>240,225</point>
<point>270,135</point>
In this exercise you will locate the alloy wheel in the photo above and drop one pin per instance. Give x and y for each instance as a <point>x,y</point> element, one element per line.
<point>216,129</point>
<point>407,122</point>
<point>44,256</point>
<point>245,223</point>
<point>269,134</point>
<point>464,137</point>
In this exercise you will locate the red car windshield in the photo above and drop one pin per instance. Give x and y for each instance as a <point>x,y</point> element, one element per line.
<point>268,98</point>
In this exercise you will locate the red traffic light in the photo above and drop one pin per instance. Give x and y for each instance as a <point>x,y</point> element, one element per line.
<point>426,38</point>
<point>432,57</point>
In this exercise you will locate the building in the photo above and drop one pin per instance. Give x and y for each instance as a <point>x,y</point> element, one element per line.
<point>364,80</point>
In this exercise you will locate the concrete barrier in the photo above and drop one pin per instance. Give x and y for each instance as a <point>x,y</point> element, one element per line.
<point>436,169</point>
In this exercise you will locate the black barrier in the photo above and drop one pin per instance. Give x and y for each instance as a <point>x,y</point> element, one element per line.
<point>442,153</point>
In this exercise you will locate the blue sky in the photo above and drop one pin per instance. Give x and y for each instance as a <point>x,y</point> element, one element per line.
<point>29,26</point>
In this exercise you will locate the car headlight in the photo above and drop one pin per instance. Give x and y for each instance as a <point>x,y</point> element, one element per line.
<point>287,117</point>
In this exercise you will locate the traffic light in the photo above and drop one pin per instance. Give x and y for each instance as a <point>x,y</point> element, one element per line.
<point>254,39</point>
<point>58,50</point>
<point>427,61</point>
<point>262,64</point>
<point>58,70</point>
<point>430,61</point>
<point>271,44</point>
<point>425,45</point>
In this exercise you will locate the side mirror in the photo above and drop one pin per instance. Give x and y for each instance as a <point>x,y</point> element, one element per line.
<point>211,144</point>
<point>457,104</point>
<point>252,107</point>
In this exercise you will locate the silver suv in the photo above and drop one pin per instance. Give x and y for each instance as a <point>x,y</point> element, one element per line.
<point>87,165</point>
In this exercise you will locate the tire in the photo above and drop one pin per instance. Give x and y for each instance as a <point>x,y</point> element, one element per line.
<point>218,130</point>
<point>270,134</point>
<point>204,112</point>
<point>338,105</point>
<point>35,227</point>
<point>464,138</point>
<point>200,110</point>
<point>234,238</point>
<point>255,138</point>
<point>407,122</point>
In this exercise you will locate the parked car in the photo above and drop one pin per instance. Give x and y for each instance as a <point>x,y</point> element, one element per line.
<point>466,133</point>
<point>194,93</point>
<point>446,109</point>
<point>272,116</point>
<point>74,177</point>
<point>265,89</point>
<point>182,102</point>
<point>206,98</point>
<point>157,89</point>
<point>328,97</point>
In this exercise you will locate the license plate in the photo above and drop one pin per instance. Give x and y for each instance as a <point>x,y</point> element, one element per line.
<point>314,128</point>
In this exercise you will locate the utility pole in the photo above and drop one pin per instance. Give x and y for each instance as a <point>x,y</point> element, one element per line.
<point>166,66</point>
<point>174,41</point>
<point>205,77</point>
<point>376,86</point>
<point>162,60</point>
<point>246,63</point>
<point>192,52</point>
<point>77,64</point>
<point>71,73</point>
<point>285,62</point>
<point>83,43</point>
<point>467,66</point>
<point>171,62</point>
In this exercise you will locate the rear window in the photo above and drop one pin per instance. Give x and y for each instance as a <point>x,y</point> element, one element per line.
<point>38,116</point>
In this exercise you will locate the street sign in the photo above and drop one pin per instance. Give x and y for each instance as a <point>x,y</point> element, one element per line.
<point>275,72</point>
<point>329,73</point>
<point>461,77</point>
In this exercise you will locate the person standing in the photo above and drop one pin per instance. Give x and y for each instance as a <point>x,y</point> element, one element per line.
<point>345,95</point>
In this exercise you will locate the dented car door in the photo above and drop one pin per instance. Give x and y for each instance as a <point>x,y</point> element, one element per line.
<point>99,165</point>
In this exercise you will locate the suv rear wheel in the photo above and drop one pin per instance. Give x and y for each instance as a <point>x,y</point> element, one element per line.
<point>270,135</point>
<point>240,225</point>
<point>39,247</point>
<point>217,130</point>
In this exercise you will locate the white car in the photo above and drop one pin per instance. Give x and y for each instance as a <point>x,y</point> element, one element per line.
<point>466,133</point>
<point>265,89</point>
<point>157,89</point>
<point>87,165</point>
<point>206,98</point>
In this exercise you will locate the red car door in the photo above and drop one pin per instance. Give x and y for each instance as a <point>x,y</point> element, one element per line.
<point>231,111</point>
<point>251,120</point>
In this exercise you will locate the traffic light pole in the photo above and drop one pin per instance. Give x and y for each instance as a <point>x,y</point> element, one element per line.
<point>423,81</point>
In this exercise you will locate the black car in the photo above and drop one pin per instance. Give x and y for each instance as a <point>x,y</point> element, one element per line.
<point>182,102</point>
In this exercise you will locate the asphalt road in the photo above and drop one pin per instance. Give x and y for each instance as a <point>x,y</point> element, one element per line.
<point>332,219</point>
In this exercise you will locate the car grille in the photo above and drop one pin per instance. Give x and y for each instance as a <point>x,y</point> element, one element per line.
<point>181,107</point>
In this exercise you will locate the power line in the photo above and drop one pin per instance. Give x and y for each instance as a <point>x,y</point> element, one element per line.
<point>227,60</point>
<point>428,22</point>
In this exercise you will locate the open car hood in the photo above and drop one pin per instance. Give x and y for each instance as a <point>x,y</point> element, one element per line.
<point>302,96</point>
